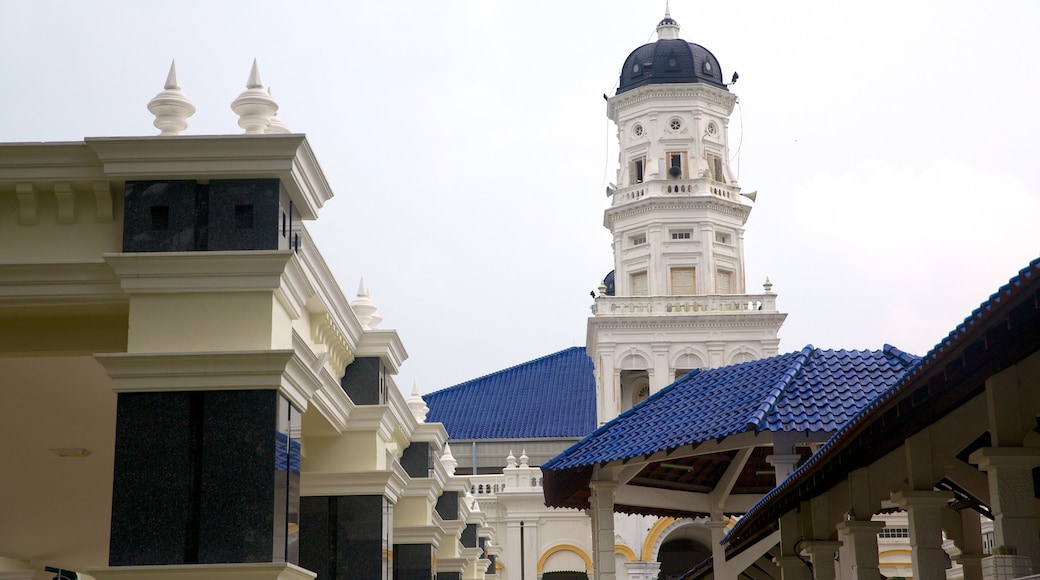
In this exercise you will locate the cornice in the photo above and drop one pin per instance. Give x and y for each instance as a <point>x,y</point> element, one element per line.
<point>385,344</point>
<point>165,272</point>
<point>703,92</point>
<point>388,483</point>
<point>430,534</point>
<point>221,371</point>
<point>706,321</point>
<point>59,283</point>
<point>424,487</point>
<point>286,157</point>
<point>329,399</point>
<point>43,162</point>
<point>672,203</point>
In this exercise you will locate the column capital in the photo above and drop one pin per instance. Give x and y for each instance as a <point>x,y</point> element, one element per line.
<point>854,527</point>
<point>603,486</point>
<point>921,498</point>
<point>822,546</point>
<point>989,457</point>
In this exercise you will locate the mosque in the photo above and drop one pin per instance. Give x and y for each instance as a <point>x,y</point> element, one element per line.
<point>679,415</point>
<point>191,394</point>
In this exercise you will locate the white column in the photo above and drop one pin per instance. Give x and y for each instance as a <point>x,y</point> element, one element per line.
<point>822,554</point>
<point>643,570</point>
<point>1010,474</point>
<point>720,569</point>
<point>924,511</point>
<point>783,464</point>
<point>601,505</point>
<point>860,537</point>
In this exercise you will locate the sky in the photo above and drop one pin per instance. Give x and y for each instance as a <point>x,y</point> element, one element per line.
<point>893,146</point>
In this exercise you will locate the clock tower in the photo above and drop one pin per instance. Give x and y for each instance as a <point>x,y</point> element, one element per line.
<point>677,298</point>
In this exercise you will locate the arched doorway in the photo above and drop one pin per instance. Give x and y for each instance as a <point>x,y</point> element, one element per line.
<point>678,556</point>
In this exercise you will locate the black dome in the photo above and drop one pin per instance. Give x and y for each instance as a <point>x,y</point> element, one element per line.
<point>670,61</point>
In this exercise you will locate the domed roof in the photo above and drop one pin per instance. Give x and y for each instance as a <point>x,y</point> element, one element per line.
<point>670,60</point>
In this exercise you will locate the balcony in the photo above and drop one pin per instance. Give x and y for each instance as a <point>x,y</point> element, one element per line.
<point>693,305</point>
<point>682,187</point>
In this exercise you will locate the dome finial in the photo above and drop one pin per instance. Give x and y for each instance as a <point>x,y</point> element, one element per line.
<point>170,107</point>
<point>667,28</point>
<point>365,309</point>
<point>277,125</point>
<point>254,107</point>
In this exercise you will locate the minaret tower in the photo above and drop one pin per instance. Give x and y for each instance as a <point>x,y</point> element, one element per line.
<point>677,299</point>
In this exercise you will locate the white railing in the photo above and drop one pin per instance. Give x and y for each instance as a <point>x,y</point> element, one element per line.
<point>693,305</point>
<point>699,186</point>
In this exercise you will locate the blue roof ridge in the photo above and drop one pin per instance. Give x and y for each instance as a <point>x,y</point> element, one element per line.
<point>906,359</point>
<point>505,370</point>
<point>567,452</point>
<point>758,417</point>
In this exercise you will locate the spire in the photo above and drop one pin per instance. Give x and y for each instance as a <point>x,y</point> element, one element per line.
<point>277,125</point>
<point>170,107</point>
<point>254,106</point>
<point>365,309</point>
<point>449,460</point>
<point>667,28</point>
<point>418,406</point>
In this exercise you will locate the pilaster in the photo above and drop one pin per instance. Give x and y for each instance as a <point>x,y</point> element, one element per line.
<point>602,509</point>
<point>822,553</point>
<point>860,537</point>
<point>924,511</point>
<point>1009,471</point>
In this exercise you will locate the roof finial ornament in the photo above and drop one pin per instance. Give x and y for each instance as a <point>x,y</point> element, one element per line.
<point>667,28</point>
<point>277,125</point>
<point>365,309</point>
<point>170,107</point>
<point>418,407</point>
<point>254,106</point>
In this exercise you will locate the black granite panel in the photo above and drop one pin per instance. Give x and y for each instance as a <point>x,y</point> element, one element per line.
<point>363,381</point>
<point>289,223</point>
<point>491,569</point>
<point>448,505</point>
<point>413,562</point>
<point>153,479</point>
<point>237,495</point>
<point>415,459</point>
<point>160,216</point>
<point>469,536</point>
<point>343,537</point>
<point>244,214</point>
<point>449,576</point>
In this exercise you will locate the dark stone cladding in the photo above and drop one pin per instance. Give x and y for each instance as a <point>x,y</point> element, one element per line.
<point>345,537</point>
<point>224,214</point>
<point>448,505</point>
<point>198,479</point>
<point>364,381</point>
<point>417,460</point>
<point>449,576</point>
<point>413,562</point>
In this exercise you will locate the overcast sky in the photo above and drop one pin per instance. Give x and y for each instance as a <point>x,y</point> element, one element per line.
<point>894,146</point>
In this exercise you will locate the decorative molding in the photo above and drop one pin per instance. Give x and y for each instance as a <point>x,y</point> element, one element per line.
<point>324,331</point>
<point>388,483</point>
<point>180,272</point>
<point>66,202</point>
<point>259,571</point>
<point>59,283</point>
<point>103,197</point>
<point>26,193</point>
<point>564,548</point>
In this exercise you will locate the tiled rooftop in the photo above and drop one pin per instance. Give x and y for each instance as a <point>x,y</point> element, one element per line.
<point>552,396</point>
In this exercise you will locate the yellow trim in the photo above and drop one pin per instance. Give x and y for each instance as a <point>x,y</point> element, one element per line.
<point>893,552</point>
<point>647,555</point>
<point>625,551</point>
<point>894,564</point>
<point>561,548</point>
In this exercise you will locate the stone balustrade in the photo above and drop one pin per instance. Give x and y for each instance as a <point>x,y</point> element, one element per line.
<point>699,186</point>
<point>693,305</point>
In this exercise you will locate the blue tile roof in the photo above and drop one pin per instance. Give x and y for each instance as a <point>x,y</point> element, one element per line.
<point>1011,310</point>
<point>809,390</point>
<point>552,396</point>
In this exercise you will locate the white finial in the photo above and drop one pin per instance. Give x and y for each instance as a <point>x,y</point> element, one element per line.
<point>510,460</point>
<point>449,460</point>
<point>667,28</point>
<point>417,405</point>
<point>365,309</point>
<point>523,458</point>
<point>170,107</point>
<point>254,106</point>
<point>277,125</point>
<point>768,286</point>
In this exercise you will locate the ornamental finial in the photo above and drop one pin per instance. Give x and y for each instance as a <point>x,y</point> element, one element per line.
<point>170,107</point>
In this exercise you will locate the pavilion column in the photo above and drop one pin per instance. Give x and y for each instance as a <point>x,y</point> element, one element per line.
<point>720,569</point>
<point>601,505</point>
<point>822,553</point>
<point>1010,474</point>
<point>971,544</point>
<point>792,567</point>
<point>784,464</point>
<point>859,537</point>
<point>924,511</point>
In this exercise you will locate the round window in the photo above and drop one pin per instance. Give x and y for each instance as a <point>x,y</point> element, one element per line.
<point>713,129</point>
<point>675,124</point>
<point>635,68</point>
<point>638,130</point>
